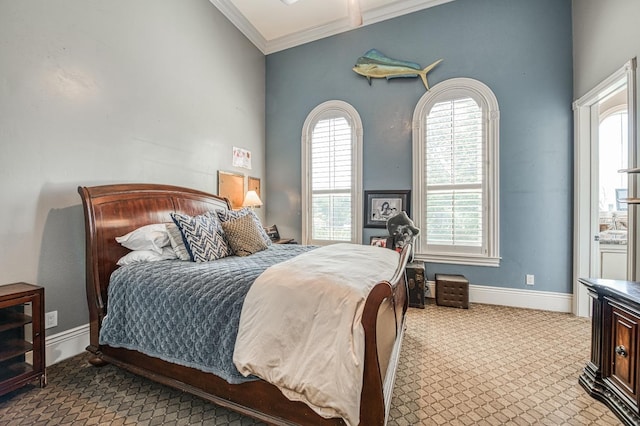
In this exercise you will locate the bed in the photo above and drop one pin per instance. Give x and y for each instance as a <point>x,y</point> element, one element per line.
<point>114,210</point>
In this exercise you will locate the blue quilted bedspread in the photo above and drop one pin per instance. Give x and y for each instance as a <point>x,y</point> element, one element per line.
<point>186,313</point>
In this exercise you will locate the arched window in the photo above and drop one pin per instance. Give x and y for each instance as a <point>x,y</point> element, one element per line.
<point>455,173</point>
<point>332,175</point>
<point>613,156</point>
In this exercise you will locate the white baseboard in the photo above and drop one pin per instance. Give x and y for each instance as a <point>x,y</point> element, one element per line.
<point>66,344</point>
<point>517,298</point>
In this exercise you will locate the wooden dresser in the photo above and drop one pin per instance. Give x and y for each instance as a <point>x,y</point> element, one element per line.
<point>612,373</point>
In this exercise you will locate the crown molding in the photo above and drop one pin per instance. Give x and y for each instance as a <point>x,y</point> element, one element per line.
<point>369,17</point>
<point>233,14</point>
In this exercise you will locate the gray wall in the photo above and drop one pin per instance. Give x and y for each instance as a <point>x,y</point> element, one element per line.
<point>521,49</point>
<point>606,35</point>
<point>95,92</point>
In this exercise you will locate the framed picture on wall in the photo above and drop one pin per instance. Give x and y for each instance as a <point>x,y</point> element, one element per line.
<point>381,205</point>
<point>253,184</point>
<point>231,186</point>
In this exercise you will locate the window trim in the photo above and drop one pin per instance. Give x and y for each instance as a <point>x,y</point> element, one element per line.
<point>352,115</point>
<point>482,94</point>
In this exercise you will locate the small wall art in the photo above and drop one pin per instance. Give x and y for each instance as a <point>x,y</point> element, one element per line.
<point>381,205</point>
<point>241,158</point>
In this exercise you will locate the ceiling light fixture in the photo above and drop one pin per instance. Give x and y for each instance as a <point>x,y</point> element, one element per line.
<point>355,16</point>
<point>288,2</point>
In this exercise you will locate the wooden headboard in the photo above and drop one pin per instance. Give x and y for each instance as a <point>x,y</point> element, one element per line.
<point>114,210</point>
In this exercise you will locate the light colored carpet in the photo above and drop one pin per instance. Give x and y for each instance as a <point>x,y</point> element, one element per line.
<point>494,365</point>
<point>488,365</point>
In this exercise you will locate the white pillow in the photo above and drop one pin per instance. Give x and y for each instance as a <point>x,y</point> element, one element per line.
<point>149,237</point>
<point>146,256</point>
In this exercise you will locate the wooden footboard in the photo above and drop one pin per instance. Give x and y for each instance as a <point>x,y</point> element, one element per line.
<point>114,210</point>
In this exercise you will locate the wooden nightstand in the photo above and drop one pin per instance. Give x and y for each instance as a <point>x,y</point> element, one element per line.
<point>22,358</point>
<point>285,241</point>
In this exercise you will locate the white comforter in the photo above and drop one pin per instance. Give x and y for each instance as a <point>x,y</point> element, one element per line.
<point>300,325</point>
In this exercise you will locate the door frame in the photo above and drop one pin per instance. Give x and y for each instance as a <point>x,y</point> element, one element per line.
<point>585,222</point>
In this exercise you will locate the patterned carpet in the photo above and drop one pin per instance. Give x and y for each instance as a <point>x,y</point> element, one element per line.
<point>488,365</point>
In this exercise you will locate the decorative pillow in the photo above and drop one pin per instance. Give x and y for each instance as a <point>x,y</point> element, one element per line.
<point>203,236</point>
<point>149,237</point>
<point>244,235</point>
<point>225,215</point>
<point>137,256</point>
<point>177,241</point>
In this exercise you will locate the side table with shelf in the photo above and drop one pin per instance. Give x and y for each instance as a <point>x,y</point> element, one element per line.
<point>22,356</point>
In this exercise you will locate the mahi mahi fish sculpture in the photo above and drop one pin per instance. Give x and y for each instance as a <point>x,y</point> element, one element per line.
<point>375,65</point>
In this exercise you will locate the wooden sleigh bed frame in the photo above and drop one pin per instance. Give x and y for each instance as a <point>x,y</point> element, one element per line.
<point>114,210</point>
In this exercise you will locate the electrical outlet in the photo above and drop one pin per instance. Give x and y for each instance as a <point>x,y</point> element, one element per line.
<point>51,319</point>
<point>531,279</point>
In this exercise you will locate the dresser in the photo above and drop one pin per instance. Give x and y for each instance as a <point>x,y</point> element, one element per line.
<point>611,375</point>
<point>22,358</point>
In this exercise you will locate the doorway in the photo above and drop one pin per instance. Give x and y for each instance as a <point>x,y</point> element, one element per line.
<point>604,232</point>
<point>613,153</point>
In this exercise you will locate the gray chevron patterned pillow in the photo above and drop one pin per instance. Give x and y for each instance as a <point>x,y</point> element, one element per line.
<point>203,236</point>
<point>244,235</point>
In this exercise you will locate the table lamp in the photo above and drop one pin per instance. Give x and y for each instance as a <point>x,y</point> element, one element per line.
<point>251,200</point>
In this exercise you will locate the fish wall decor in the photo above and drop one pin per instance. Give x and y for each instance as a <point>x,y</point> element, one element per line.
<point>374,64</point>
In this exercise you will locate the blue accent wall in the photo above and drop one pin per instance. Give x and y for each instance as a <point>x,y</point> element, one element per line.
<point>522,49</point>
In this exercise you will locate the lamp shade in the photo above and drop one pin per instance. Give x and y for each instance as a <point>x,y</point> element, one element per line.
<point>251,199</point>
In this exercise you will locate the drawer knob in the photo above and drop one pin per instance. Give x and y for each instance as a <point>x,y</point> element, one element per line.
<point>621,350</point>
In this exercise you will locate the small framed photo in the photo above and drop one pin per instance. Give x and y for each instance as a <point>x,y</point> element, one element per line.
<point>272,232</point>
<point>381,205</point>
<point>382,241</point>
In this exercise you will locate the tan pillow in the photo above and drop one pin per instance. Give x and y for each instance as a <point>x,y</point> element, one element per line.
<point>244,236</point>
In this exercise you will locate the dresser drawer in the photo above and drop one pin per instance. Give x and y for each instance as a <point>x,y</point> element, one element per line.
<point>624,347</point>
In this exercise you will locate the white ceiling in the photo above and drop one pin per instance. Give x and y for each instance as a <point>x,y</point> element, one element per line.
<point>273,26</point>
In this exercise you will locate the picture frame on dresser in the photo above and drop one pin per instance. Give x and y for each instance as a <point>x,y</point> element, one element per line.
<point>381,241</point>
<point>272,232</point>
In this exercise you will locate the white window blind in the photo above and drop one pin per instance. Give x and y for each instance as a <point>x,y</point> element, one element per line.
<point>331,179</point>
<point>454,174</point>
<point>332,175</point>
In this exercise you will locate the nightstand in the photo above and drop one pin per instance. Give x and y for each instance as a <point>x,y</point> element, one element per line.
<point>415,284</point>
<point>284,241</point>
<point>22,358</point>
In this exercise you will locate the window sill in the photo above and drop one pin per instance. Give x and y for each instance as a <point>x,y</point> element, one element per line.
<point>459,259</point>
